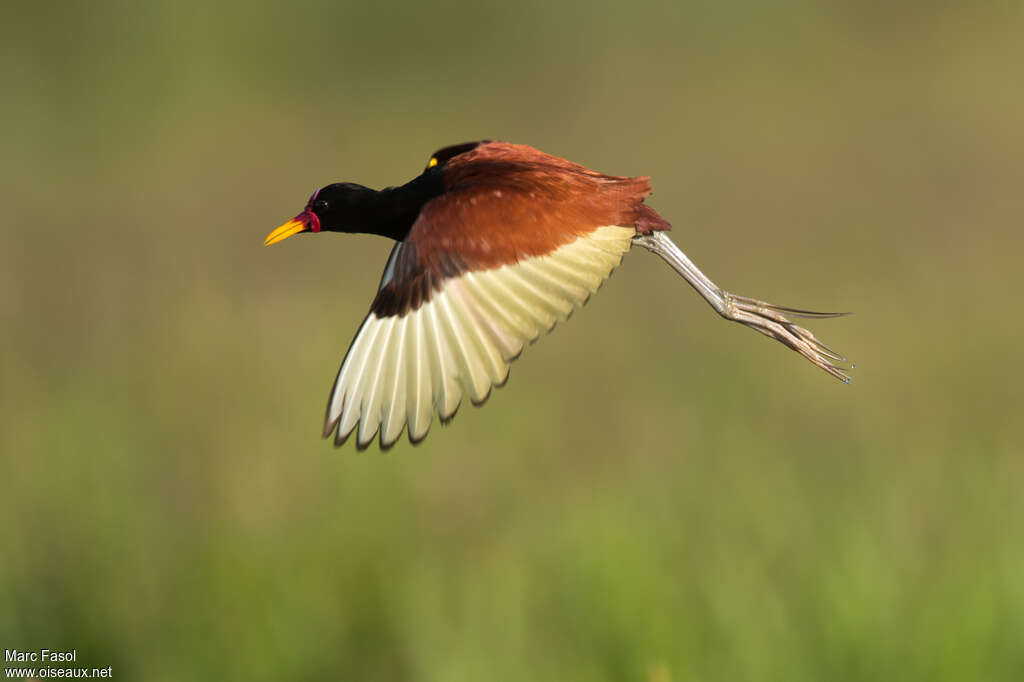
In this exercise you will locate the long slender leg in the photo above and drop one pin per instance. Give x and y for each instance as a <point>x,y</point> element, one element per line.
<point>763,317</point>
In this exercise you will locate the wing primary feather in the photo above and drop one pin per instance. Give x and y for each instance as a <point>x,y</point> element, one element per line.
<point>505,332</point>
<point>538,271</point>
<point>337,399</point>
<point>448,393</point>
<point>399,370</point>
<point>393,404</point>
<point>580,276</point>
<point>371,387</point>
<point>420,406</point>
<point>353,381</point>
<point>479,335</point>
<point>496,341</point>
<point>471,372</point>
<point>544,306</point>
<point>523,302</point>
<point>518,322</point>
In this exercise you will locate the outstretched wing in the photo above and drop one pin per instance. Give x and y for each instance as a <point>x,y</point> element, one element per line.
<point>402,368</point>
<point>488,268</point>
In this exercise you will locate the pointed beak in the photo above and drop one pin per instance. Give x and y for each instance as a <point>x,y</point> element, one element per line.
<point>293,226</point>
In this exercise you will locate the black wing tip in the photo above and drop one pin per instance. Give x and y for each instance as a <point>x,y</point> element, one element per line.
<point>445,421</point>
<point>490,391</point>
<point>384,447</point>
<point>340,440</point>
<point>479,403</point>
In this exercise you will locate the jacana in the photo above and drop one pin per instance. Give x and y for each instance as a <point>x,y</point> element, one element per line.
<point>496,242</point>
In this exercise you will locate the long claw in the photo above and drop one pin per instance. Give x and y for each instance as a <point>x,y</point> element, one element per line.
<point>795,312</point>
<point>768,319</point>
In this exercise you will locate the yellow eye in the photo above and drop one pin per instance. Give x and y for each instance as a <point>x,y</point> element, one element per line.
<point>432,162</point>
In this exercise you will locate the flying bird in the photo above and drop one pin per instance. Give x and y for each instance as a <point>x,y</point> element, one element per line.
<point>495,243</point>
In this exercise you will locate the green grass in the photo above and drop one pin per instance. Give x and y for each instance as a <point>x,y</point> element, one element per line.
<point>656,495</point>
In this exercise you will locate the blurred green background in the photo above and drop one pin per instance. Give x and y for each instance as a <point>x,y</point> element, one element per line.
<point>656,495</point>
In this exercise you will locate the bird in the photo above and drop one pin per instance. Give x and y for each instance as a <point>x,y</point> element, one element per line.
<point>495,243</point>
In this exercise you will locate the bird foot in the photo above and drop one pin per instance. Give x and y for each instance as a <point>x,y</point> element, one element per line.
<point>770,321</point>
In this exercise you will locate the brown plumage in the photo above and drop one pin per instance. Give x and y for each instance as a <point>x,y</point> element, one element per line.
<point>496,243</point>
<point>539,201</point>
<point>502,203</point>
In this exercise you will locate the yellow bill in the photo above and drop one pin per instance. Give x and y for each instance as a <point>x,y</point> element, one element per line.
<point>293,226</point>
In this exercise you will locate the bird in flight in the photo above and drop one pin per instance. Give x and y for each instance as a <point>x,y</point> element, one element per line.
<point>495,243</point>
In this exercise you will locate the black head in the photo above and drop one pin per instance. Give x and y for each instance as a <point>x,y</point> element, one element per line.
<point>341,207</point>
<point>348,207</point>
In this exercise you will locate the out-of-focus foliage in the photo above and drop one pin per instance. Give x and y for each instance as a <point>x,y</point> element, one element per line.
<point>656,494</point>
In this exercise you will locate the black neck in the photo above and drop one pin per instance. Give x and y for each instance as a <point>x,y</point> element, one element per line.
<point>391,212</point>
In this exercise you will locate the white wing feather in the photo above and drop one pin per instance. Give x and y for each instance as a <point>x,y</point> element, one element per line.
<point>399,371</point>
